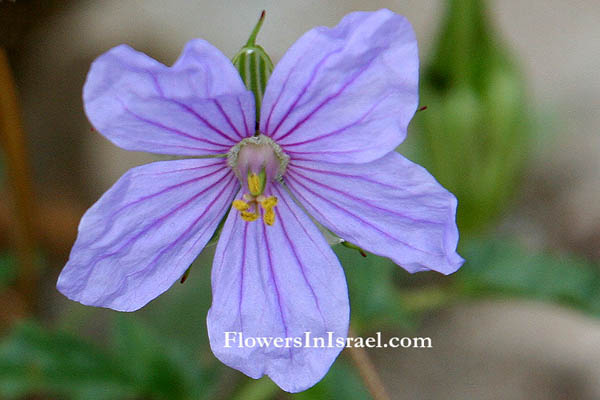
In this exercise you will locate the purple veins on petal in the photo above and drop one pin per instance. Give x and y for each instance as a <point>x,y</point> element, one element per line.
<point>283,288</point>
<point>145,231</point>
<point>335,108</point>
<point>367,63</point>
<point>328,99</point>
<point>300,95</point>
<point>389,207</point>
<point>142,105</point>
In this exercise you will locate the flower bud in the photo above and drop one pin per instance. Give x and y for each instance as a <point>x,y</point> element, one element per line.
<point>474,136</point>
<point>254,65</point>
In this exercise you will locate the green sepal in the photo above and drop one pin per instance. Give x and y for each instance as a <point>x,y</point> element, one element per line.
<point>254,66</point>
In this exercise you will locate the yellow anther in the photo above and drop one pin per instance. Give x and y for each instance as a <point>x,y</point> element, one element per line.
<point>269,216</point>
<point>249,216</point>
<point>240,205</point>
<point>269,203</point>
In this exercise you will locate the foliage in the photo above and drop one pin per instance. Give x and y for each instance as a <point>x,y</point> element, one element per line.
<point>497,267</point>
<point>34,360</point>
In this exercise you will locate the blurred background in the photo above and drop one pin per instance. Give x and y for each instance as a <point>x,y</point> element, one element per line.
<point>511,127</point>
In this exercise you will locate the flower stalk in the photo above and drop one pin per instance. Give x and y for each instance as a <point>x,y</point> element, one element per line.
<point>367,371</point>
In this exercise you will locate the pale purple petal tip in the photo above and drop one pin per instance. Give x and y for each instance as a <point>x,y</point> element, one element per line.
<point>390,207</point>
<point>145,231</point>
<point>198,106</point>
<point>277,281</point>
<point>345,94</point>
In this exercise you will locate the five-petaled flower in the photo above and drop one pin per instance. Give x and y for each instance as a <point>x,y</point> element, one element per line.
<point>334,110</point>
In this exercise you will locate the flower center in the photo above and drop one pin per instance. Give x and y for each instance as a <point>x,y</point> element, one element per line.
<point>257,161</point>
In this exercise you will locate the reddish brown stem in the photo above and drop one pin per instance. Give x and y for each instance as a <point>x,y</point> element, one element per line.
<point>12,139</point>
<point>367,371</point>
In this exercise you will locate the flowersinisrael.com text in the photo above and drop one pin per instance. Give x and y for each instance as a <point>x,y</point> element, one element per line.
<point>237,339</point>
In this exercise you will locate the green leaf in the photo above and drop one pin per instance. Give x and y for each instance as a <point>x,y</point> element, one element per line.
<point>161,367</point>
<point>498,267</point>
<point>36,361</point>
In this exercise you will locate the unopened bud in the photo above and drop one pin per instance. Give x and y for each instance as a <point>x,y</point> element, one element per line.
<point>255,66</point>
<point>475,134</point>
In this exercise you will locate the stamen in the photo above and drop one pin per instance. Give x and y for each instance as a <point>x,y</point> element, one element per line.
<point>249,216</point>
<point>269,203</point>
<point>240,205</point>
<point>269,217</point>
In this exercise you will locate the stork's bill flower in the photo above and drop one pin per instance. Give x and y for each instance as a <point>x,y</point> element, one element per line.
<point>334,110</point>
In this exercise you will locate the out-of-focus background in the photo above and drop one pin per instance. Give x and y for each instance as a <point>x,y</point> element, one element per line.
<point>512,91</point>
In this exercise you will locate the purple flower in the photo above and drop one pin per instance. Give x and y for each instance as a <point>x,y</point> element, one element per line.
<point>334,110</point>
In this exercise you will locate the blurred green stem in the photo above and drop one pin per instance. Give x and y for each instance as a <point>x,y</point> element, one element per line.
<point>12,139</point>
<point>367,371</point>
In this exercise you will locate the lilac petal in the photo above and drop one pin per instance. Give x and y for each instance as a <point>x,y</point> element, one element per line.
<point>345,94</point>
<point>277,281</point>
<point>390,207</point>
<point>145,231</point>
<point>198,106</point>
